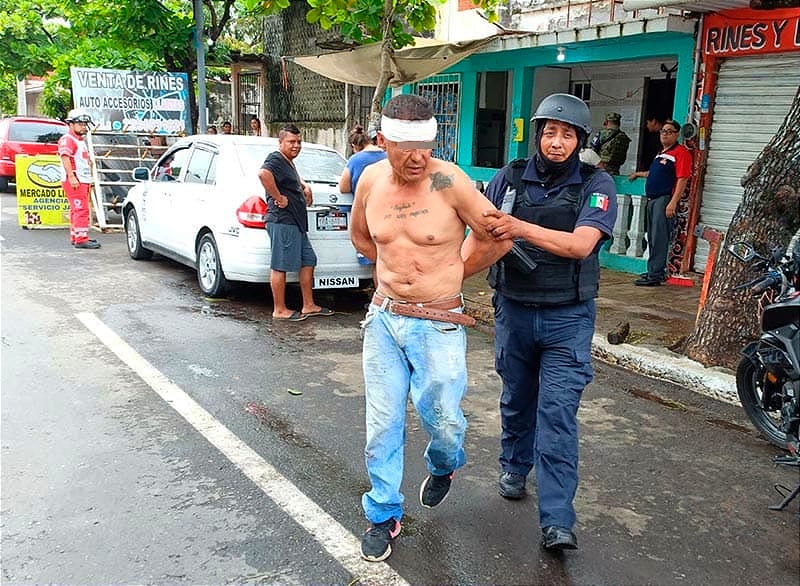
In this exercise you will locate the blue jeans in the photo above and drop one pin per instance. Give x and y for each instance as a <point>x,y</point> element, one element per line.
<point>428,359</point>
<point>543,356</point>
<point>659,236</point>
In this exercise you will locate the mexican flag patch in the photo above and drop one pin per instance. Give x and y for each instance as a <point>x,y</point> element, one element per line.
<point>599,200</point>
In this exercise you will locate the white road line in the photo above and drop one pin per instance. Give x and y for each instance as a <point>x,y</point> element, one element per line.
<point>342,545</point>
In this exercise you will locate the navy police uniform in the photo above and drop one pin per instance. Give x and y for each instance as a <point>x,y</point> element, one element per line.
<point>544,323</point>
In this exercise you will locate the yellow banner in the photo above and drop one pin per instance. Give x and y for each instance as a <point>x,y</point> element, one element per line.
<point>40,197</point>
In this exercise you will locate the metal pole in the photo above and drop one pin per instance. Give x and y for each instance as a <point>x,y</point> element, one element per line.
<point>201,66</point>
<point>22,99</point>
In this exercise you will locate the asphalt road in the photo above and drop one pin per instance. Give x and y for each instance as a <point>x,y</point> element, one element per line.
<point>209,445</point>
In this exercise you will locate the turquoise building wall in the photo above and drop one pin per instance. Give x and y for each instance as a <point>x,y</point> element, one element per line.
<point>522,63</point>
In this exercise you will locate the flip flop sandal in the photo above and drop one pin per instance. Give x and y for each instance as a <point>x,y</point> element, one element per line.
<point>324,311</point>
<point>296,316</point>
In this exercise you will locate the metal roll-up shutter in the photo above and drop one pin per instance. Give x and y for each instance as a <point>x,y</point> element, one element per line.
<point>754,95</point>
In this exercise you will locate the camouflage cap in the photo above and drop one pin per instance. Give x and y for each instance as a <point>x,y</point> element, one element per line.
<point>613,117</point>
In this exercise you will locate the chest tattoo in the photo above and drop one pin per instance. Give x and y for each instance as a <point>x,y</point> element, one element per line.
<point>401,211</point>
<point>440,181</point>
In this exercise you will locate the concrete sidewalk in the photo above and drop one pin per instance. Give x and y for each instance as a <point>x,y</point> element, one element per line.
<point>660,318</point>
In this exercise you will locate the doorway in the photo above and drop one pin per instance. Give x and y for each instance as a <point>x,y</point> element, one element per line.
<point>491,119</point>
<point>249,100</point>
<point>659,101</point>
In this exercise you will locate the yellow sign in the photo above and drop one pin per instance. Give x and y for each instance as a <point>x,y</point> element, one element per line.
<point>40,197</point>
<point>518,130</point>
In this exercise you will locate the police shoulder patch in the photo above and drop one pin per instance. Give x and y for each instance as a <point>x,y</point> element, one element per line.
<point>599,201</point>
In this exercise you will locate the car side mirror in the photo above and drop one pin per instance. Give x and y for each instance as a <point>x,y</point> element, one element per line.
<point>141,174</point>
<point>742,251</point>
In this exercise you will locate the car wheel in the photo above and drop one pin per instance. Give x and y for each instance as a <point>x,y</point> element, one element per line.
<point>134,238</point>
<point>210,277</point>
<point>3,184</point>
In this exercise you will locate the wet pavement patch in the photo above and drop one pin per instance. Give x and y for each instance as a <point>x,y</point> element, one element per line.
<point>656,399</point>
<point>275,423</point>
<point>728,425</point>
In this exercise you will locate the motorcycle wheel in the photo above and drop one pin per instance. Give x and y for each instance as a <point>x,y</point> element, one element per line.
<point>750,386</point>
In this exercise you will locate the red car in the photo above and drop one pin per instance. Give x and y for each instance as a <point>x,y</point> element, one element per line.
<point>23,135</point>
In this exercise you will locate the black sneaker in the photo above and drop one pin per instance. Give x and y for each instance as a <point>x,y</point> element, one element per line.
<point>434,490</point>
<point>376,543</point>
<point>558,538</point>
<point>647,282</point>
<point>646,277</point>
<point>87,244</point>
<point>512,485</point>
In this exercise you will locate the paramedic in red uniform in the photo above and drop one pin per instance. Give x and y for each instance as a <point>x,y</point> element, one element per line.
<point>76,177</point>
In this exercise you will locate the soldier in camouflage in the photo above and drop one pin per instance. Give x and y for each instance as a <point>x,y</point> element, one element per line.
<point>611,144</point>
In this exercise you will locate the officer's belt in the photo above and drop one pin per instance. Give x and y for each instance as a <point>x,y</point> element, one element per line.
<point>432,310</point>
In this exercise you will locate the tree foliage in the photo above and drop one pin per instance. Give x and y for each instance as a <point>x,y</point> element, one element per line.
<point>50,36</point>
<point>8,94</point>
<point>30,36</point>
<point>390,22</point>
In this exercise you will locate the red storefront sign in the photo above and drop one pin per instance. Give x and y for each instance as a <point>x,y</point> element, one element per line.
<point>751,32</point>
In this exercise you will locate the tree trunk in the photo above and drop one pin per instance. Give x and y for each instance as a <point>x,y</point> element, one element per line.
<point>387,52</point>
<point>768,215</point>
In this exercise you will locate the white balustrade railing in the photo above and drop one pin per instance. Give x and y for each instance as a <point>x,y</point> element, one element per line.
<point>629,229</point>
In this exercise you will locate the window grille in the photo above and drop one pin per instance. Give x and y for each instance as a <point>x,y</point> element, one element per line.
<point>364,106</point>
<point>582,90</point>
<point>249,90</point>
<point>442,92</point>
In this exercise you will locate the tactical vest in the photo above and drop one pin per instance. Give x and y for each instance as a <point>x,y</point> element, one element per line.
<point>555,280</point>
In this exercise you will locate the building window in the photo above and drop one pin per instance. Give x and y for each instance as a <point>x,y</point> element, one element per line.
<point>442,93</point>
<point>583,90</point>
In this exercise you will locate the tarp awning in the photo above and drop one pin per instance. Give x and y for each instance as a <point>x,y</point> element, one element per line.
<point>362,65</point>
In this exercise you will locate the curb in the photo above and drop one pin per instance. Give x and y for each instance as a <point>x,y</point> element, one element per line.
<point>663,365</point>
<point>668,366</point>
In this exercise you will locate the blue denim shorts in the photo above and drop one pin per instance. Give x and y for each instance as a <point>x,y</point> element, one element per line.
<point>291,249</point>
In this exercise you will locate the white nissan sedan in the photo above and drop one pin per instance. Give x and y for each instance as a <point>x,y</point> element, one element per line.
<point>203,205</point>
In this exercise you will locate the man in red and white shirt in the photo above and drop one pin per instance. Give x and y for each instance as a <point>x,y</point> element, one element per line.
<point>76,177</point>
<point>666,181</point>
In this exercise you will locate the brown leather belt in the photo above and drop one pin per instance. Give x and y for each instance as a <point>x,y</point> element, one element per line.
<point>433,310</point>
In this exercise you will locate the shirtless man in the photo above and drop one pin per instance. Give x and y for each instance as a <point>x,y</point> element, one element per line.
<point>409,216</point>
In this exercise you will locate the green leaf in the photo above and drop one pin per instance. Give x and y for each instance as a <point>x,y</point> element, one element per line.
<point>313,15</point>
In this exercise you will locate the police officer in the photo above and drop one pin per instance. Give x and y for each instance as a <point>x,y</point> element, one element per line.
<point>560,213</point>
<point>611,144</point>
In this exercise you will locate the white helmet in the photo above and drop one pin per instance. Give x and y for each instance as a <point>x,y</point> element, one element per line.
<point>78,115</point>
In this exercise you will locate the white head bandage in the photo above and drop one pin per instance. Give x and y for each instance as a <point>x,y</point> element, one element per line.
<point>410,134</point>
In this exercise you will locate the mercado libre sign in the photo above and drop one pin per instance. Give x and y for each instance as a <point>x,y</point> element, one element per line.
<point>40,197</point>
<point>133,101</point>
<point>751,32</point>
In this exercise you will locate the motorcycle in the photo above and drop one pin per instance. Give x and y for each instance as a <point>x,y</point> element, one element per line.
<point>768,374</point>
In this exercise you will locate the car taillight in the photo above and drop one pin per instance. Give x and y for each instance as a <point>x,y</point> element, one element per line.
<point>252,213</point>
